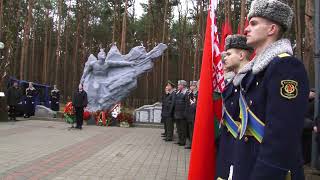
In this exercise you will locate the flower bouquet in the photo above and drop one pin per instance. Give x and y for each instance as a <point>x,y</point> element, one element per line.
<point>102,118</point>
<point>125,119</point>
<point>86,116</point>
<point>68,113</point>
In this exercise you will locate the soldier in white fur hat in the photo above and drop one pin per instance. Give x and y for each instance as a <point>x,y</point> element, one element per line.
<point>273,99</point>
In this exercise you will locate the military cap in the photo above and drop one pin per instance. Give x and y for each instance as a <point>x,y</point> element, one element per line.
<point>182,82</point>
<point>238,42</point>
<point>193,83</point>
<point>277,11</point>
<point>171,83</point>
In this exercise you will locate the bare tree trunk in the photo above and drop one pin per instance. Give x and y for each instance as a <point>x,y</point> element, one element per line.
<point>45,49</point>
<point>124,29</point>
<point>242,16</point>
<point>76,47</point>
<point>84,39</point>
<point>297,21</point>
<point>164,41</point>
<point>202,34</point>
<point>309,40</point>
<point>66,78</point>
<point>31,72</point>
<point>1,19</point>
<point>147,77</point>
<point>58,50</point>
<point>184,53</point>
<point>227,10</point>
<point>17,42</point>
<point>197,36</point>
<point>26,37</point>
<point>114,22</point>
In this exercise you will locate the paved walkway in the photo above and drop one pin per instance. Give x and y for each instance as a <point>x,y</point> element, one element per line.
<point>48,150</point>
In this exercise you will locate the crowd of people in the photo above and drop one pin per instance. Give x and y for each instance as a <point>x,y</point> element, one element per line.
<point>23,101</point>
<point>179,107</point>
<point>16,95</point>
<point>265,127</point>
<point>266,122</point>
<point>265,101</point>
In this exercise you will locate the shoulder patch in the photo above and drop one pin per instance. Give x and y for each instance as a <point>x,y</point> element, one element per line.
<point>283,55</point>
<point>289,89</point>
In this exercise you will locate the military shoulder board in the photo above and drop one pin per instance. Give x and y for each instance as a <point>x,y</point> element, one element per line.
<point>283,55</point>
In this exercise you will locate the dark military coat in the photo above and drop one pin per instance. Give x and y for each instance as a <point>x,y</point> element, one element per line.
<point>180,104</point>
<point>278,97</point>
<point>191,108</point>
<point>226,147</point>
<point>55,98</point>
<point>167,105</point>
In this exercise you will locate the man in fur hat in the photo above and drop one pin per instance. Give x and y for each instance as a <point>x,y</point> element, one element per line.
<point>273,99</point>
<point>236,60</point>
<point>180,102</point>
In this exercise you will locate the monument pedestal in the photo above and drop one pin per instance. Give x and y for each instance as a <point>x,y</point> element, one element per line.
<point>149,113</point>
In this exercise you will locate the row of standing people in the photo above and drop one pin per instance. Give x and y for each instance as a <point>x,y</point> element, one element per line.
<point>265,100</point>
<point>15,97</point>
<point>179,107</point>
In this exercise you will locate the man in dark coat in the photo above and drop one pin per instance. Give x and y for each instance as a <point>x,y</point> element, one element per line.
<point>308,128</point>
<point>167,111</point>
<point>79,102</point>
<point>273,99</point>
<point>163,121</point>
<point>180,103</point>
<point>14,96</point>
<point>31,94</point>
<point>191,111</point>
<point>316,129</point>
<point>236,59</point>
<point>55,98</point>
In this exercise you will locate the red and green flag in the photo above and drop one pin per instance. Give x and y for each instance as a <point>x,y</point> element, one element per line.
<point>203,152</point>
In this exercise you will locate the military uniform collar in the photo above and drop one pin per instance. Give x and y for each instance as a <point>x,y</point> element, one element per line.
<point>242,72</point>
<point>32,88</point>
<point>261,61</point>
<point>195,91</point>
<point>228,77</point>
<point>227,91</point>
<point>183,91</point>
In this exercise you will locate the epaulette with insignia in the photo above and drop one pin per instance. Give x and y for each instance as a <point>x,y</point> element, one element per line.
<point>283,55</point>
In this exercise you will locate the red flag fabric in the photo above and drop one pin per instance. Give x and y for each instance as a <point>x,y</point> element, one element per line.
<point>203,152</point>
<point>246,23</point>
<point>226,31</point>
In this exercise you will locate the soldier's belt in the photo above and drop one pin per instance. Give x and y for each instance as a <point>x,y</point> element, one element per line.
<point>250,123</point>
<point>230,123</point>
